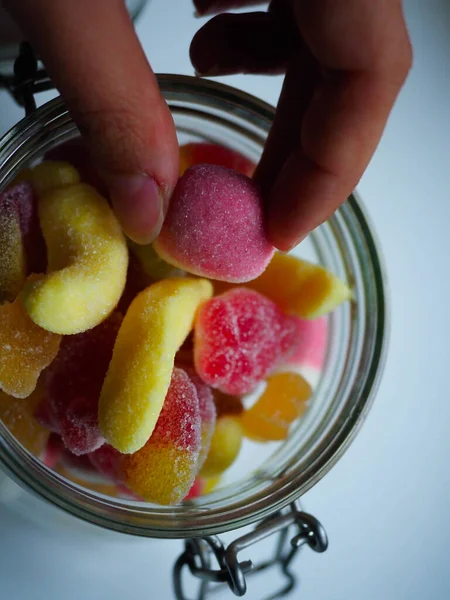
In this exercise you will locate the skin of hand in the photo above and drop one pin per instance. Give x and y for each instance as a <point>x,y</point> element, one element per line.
<point>344,63</point>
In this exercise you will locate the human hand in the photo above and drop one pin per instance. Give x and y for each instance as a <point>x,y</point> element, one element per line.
<point>345,63</point>
<point>93,55</point>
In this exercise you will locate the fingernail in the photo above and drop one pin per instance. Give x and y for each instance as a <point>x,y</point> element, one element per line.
<point>138,203</point>
<point>208,71</point>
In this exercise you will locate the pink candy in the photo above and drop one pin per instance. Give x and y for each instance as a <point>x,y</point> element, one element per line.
<point>240,338</point>
<point>313,336</point>
<point>215,226</point>
<point>73,384</point>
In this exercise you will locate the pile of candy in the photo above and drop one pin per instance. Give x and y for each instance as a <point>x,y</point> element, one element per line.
<point>128,368</point>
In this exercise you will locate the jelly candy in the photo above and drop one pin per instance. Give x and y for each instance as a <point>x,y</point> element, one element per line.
<point>164,470</point>
<point>283,401</point>
<point>53,451</point>
<point>24,199</point>
<point>202,486</point>
<point>240,337</point>
<point>196,153</point>
<point>207,414</point>
<point>50,175</point>
<point>88,259</point>
<point>215,226</point>
<point>108,462</point>
<point>13,259</point>
<point>152,264</point>
<point>156,324</point>
<point>299,287</point>
<point>225,447</point>
<point>25,350</point>
<point>73,384</point>
<point>17,415</point>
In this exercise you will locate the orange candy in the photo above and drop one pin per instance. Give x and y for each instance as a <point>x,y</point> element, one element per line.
<point>283,401</point>
<point>25,350</point>
<point>17,415</point>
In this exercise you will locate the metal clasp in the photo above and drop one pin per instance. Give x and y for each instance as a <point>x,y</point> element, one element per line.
<point>200,552</point>
<point>29,78</point>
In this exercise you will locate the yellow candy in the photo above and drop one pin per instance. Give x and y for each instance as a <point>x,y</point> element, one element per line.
<point>283,401</point>
<point>298,287</point>
<point>50,175</point>
<point>17,415</point>
<point>225,446</point>
<point>25,350</point>
<point>87,261</point>
<point>152,264</point>
<point>210,484</point>
<point>155,326</point>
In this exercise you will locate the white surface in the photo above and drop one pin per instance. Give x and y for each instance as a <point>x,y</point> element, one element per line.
<point>385,505</point>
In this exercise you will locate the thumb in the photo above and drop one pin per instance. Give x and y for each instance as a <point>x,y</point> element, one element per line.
<point>92,53</point>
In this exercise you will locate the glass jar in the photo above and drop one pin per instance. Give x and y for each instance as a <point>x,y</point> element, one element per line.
<point>345,244</point>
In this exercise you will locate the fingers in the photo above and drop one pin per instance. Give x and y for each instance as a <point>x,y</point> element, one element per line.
<point>365,56</point>
<point>94,57</point>
<point>211,7</point>
<point>254,42</point>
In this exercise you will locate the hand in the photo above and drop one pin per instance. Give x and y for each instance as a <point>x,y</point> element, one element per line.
<point>92,53</point>
<point>345,63</point>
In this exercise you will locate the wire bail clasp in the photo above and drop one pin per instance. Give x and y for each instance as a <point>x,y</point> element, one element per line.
<point>200,552</point>
<point>28,78</point>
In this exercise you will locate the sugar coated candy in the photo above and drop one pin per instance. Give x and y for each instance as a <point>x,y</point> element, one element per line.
<point>73,384</point>
<point>13,258</point>
<point>87,259</point>
<point>215,226</point>
<point>202,486</point>
<point>196,153</point>
<point>225,447</point>
<point>108,462</point>
<point>18,415</point>
<point>156,324</point>
<point>299,287</point>
<point>240,337</point>
<point>207,413</point>
<point>50,175</point>
<point>164,470</point>
<point>25,350</point>
<point>283,401</point>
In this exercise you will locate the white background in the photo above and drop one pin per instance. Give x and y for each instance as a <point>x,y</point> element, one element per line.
<point>385,505</point>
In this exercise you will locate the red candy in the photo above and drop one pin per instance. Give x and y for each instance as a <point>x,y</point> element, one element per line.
<point>164,470</point>
<point>107,461</point>
<point>240,338</point>
<point>215,226</point>
<point>197,153</point>
<point>73,383</point>
<point>21,201</point>
<point>208,414</point>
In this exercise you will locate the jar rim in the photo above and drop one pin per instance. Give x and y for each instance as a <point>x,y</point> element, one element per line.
<point>132,517</point>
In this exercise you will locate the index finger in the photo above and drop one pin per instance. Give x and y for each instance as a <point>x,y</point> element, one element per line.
<point>364,55</point>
